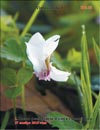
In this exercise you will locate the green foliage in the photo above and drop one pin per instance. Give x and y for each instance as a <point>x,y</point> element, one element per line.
<point>13,92</point>
<point>33,17</point>
<point>85,101</point>
<point>15,81</point>
<point>74,58</point>
<point>94,117</point>
<point>8,24</point>
<point>75,18</point>
<point>60,31</point>
<point>23,76</point>
<point>85,77</point>
<point>70,62</point>
<point>97,51</point>
<point>83,88</point>
<point>63,122</point>
<point>8,28</point>
<point>5,121</point>
<point>8,77</point>
<point>58,61</point>
<point>11,50</point>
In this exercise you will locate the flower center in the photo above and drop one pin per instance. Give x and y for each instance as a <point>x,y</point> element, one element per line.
<point>44,75</point>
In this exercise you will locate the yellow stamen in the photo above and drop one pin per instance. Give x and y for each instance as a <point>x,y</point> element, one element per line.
<point>47,62</point>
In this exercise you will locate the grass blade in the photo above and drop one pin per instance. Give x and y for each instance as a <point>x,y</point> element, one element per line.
<point>85,95</point>
<point>85,66</point>
<point>93,118</point>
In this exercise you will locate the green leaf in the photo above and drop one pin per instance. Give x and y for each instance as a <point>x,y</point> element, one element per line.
<point>5,121</point>
<point>8,77</point>
<point>11,50</point>
<point>85,66</point>
<point>63,122</point>
<point>13,92</point>
<point>74,58</point>
<point>97,51</point>
<point>23,76</point>
<point>97,124</point>
<point>85,60</point>
<point>22,41</point>
<point>94,115</point>
<point>85,96</point>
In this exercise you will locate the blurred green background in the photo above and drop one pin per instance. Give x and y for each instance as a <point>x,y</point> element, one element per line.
<point>56,17</point>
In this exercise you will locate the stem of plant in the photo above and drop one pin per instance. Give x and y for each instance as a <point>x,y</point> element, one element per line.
<point>33,17</point>
<point>23,100</point>
<point>14,104</point>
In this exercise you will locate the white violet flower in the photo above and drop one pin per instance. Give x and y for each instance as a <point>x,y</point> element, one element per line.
<point>39,51</point>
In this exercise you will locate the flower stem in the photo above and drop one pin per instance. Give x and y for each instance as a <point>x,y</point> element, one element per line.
<point>23,100</point>
<point>33,17</point>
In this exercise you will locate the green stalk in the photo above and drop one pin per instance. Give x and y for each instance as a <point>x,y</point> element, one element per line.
<point>93,117</point>
<point>23,93</point>
<point>33,17</point>
<point>85,66</point>
<point>23,100</point>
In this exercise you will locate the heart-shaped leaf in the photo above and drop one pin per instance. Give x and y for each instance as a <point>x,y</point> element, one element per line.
<point>8,77</point>
<point>23,76</point>
<point>13,92</point>
<point>11,50</point>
